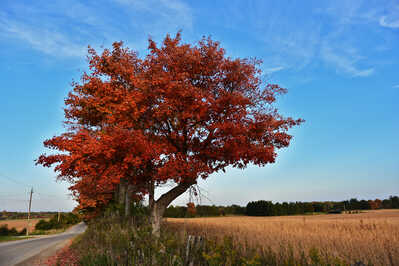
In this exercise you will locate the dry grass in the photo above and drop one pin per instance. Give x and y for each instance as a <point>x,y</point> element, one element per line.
<point>20,224</point>
<point>370,237</point>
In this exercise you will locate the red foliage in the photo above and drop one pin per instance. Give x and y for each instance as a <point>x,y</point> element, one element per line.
<point>375,204</point>
<point>191,209</point>
<point>180,113</point>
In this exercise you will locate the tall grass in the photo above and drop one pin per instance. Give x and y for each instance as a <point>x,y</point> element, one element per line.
<point>110,242</point>
<point>357,239</point>
<point>371,237</point>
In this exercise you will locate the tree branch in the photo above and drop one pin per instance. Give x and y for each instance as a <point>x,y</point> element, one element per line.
<point>172,194</point>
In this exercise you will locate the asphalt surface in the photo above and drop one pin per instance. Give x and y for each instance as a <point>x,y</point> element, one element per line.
<point>14,252</point>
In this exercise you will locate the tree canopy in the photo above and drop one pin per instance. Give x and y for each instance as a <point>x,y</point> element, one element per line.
<point>180,113</point>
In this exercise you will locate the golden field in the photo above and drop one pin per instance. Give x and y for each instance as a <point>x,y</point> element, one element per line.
<point>20,224</point>
<point>371,237</point>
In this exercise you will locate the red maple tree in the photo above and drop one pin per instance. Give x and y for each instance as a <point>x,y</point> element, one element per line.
<point>181,113</point>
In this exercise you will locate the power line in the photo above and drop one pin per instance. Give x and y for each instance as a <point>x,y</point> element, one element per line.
<point>49,195</point>
<point>12,199</point>
<point>12,180</point>
<point>19,183</point>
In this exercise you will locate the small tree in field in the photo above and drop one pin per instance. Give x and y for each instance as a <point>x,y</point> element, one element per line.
<point>181,113</point>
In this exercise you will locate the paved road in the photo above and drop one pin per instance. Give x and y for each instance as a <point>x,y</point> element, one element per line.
<point>14,252</point>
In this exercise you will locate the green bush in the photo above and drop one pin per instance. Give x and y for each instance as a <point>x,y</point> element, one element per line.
<point>64,221</point>
<point>43,225</point>
<point>5,231</point>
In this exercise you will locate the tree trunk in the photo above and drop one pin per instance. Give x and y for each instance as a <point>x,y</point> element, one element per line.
<point>128,199</point>
<point>158,207</point>
<point>122,192</point>
<point>155,218</point>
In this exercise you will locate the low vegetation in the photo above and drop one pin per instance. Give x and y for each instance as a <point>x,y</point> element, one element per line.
<point>58,222</point>
<point>367,238</point>
<point>109,242</point>
<point>370,237</point>
<point>5,231</point>
<point>11,238</point>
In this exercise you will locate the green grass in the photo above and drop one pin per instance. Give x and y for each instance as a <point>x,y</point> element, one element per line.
<point>12,238</point>
<point>48,232</point>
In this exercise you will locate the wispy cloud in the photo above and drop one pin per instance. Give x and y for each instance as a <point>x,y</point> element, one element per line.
<point>389,23</point>
<point>272,69</point>
<point>166,13</point>
<point>344,60</point>
<point>66,28</point>
<point>41,30</point>
<point>396,86</point>
<point>43,40</point>
<point>326,34</point>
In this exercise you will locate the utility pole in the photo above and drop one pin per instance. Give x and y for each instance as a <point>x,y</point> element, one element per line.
<point>58,216</point>
<point>30,204</point>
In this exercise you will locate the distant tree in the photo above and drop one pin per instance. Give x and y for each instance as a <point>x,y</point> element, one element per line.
<point>191,211</point>
<point>394,202</point>
<point>354,204</point>
<point>308,207</point>
<point>387,204</point>
<point>375,204</point>
<point>364,205</point>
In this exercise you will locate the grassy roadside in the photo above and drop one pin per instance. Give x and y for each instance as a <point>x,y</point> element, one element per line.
<point>13,238</point>
<point>49,232</point>
<point>363,239</point>
<point>34,234</point>
<point>108,241</point>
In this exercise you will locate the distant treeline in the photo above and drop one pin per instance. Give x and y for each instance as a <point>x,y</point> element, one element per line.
<point>6,215</point>
<point>203,211</point>
<point>267,208</point>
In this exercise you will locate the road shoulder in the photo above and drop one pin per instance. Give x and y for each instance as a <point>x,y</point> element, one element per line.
<point>41,258</point>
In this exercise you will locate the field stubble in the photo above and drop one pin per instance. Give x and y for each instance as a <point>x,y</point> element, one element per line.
<point>20,224</point>
<point>370,237</point>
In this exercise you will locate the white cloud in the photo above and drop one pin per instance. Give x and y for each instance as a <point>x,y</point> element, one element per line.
<point>53,43</point>
<point>167,13</point>
<point>330,39</point>
<point>389,23</point>
<point>46,33</point>
<point>272,69</point>
<point>363,73</point>
<point>65,29</point>
<point>345,60</point>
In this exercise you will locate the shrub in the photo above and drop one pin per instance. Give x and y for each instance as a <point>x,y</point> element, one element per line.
<point>4,231</point>
<point>64,221</point>
<point>43,225</point>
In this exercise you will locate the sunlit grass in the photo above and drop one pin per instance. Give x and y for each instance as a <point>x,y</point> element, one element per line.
<point>12,238</point>
<point>369,237</point>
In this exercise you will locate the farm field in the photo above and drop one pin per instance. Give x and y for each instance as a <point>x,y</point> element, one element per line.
<point>371,237</point>
<point>20,224</point>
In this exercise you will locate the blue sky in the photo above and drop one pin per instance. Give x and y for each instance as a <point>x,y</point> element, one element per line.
<point>338,59</point>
